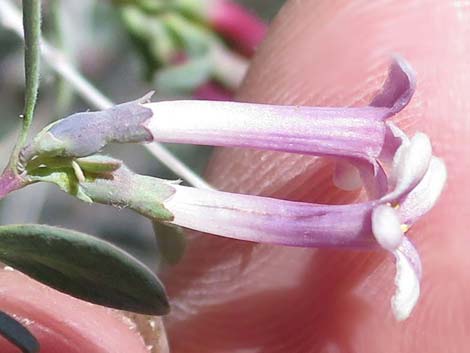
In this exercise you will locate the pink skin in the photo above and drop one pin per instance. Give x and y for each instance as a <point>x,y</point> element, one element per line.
<point>237,25</point>
<point>63,324</point>
<point>233,296</point>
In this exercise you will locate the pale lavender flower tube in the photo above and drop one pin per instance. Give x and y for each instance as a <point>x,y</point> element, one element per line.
<point>340,132</point>
<point>273,221</point>
<point>351,133</point>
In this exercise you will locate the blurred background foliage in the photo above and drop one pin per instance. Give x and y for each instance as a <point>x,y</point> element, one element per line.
<point>112,44</point>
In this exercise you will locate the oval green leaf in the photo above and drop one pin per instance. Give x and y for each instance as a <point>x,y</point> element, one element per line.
<point>83,266</point>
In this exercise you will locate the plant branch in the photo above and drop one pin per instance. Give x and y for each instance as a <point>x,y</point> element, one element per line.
<point>32,35</point>
<point>10,18</point>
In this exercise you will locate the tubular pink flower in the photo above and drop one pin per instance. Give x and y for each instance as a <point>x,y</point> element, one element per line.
<point>349,132</point>
<point>268,220</point>
<point>358,133</point>
<point>364,226</point>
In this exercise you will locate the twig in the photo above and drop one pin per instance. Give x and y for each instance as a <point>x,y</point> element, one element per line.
<point>32,36</point>
<point>10,18</point>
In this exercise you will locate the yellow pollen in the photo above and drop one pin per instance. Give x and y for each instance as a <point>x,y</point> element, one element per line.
<point>404,228</point>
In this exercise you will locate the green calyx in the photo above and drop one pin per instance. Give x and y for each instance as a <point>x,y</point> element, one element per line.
<point>46,143</point>
<point>105,180</point>
<point>143,194</point>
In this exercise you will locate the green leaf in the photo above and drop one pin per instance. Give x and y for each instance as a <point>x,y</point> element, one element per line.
<point>171,242</point>
<point>17,334</point>
<point>185,77</point>
<point>84,267</point>
<point>195,38</point>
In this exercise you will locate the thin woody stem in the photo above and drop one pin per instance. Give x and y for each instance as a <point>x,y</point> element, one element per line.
<point>32,35</point>
<point>10,18</point>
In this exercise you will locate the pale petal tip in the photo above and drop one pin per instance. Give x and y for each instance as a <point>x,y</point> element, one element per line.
<point>346,176</point>
<point>425,195</point>
<point>398,88</point>
<point>386,227</point>
<point>407,287</point>
<point>410,164</point>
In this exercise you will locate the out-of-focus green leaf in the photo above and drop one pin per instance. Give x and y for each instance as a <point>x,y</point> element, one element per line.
<point>171,242</point>
<point>152,38</point>
<point>84,267</point>
<point>194,38</point>
<point>32,35</point>
<point>17,334</point>
<point>185,77</point>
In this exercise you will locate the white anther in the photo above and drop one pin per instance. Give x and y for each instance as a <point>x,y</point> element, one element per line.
<point>386,227</point>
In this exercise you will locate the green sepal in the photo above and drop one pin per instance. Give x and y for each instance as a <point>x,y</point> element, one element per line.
<point>99,163</point>
<point>143,194</point>
<point>84,267</point>
<point>64,178</point>
<point>45,142</point>
<point>120,188</point>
